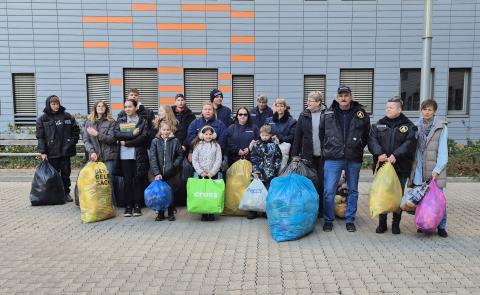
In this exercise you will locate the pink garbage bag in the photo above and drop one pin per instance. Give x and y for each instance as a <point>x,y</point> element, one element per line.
<point>431,209</point>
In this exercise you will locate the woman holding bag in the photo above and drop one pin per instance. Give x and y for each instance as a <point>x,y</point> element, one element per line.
<point>240,135</point>
<point>393,139</point>
<point>432,153</point>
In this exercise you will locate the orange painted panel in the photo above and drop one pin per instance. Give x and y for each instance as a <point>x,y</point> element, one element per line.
<point>117,106</point>
<point>182,51</point>
<point>224,76</point>
<point>145,45</point>
<point>107,19</point>
<point>170,88</point>
<point>205,7</point>
<point>116,82</point>
<point>198,27</point>
<point>194,51</point>
<point>242,14</point>
<point>225,88</point>
<point>170,70</point>
<point>91,44</point>
<point>166,100</point>
<point>144,7</point>
<point>243,58</point>
<point>240,39</point>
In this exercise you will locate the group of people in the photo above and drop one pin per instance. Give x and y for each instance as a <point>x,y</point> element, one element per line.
<point>328,140</point>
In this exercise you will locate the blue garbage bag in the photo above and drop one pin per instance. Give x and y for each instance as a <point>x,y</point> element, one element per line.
<point>292,207</point>
<point>158,195</point>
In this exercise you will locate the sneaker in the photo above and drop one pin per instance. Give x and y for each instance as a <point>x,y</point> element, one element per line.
<point>381,228</point>
<point>128,212</point>
<point>419,231</point>
<point>327,226</point>
<point>252,215</point>
<point>68,198</point>
<point>137,211</point>
<point>351,227</point>
<point>442,233</point>
<point>160,216</point>
<point>395,228</point>
<point>171,214</point>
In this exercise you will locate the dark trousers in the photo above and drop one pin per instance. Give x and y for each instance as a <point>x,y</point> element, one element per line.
<point>132,186</point>
<point>318,166</point>
<point>382,218</point>
<point>62,165</point>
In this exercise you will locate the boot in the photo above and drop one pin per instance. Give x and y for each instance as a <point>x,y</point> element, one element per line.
<point>171,214</point>
<point>160,215</point>
<point>396,223</point>
<point>382,224</point>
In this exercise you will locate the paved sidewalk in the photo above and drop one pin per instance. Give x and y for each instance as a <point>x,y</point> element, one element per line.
<point>46,250</point>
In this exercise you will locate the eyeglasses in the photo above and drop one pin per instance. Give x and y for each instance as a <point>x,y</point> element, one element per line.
<point>243,114</point>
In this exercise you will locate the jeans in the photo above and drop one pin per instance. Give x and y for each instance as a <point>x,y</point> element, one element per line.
<point>331,176</point>
<point>443,222</point>
<point>62,165</point>
<point>109,164</point>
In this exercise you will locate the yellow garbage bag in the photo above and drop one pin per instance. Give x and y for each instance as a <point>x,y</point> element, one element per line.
<point>95,190</point>
<point>340,205</point>
<point>238,179</point>
<point>385,192</point>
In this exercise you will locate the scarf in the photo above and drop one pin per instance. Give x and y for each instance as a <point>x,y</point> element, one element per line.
<point>423,132</point>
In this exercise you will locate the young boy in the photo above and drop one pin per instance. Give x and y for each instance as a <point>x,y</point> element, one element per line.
<point>57,135</point>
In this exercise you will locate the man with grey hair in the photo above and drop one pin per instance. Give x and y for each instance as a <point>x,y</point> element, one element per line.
<point>306,143</point>
<point>261,112</point>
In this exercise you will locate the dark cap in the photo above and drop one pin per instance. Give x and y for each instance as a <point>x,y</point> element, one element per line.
<point>344,89</point>
<point>214,93</point>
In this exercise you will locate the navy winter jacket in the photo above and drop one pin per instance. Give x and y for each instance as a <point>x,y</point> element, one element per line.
<point>224,114</point>
<point>197,125</point>
<point>238,138</point>
<point>259,118</point>
<point>283,128</point>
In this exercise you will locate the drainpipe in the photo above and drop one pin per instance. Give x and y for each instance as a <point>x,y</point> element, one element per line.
<point>426,81</point>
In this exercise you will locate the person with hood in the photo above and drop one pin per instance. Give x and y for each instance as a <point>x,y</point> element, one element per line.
<point>393,139</point>
<point>239,135</point>
<point>282,123</point>
<point>57,134</point>
<point>431,156</point>
<point>184,117</point>
<point>261,112</point>
<point>306,143</point>
<point>166,155</point>
<point>223,113</point>
<point>144,112</point>
<point>344,130</point>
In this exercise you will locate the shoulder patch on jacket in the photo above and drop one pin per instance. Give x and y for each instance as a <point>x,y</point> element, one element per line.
<point>403,128</point>
<point>360,114</point>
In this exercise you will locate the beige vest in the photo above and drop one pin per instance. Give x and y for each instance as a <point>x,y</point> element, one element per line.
<point>430,156</point>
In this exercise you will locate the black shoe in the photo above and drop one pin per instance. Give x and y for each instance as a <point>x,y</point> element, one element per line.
<point>395,228</point>
<point>381,228</point>
<point>160,216</point>
<point>211,217</point>
<point>327,226</point>
<point>351,227</point>
<point>128,212</point>
<point>252,215</point>
<point>204,217</point>
<point>137,211</point>
<point>419,231</point>
<point>68,198</point>
<point>171,214</point>
<point>442,233</point>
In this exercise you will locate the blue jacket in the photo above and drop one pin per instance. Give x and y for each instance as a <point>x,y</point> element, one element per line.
<point>259,118</point>
<point>198,123</point>
<point>239,137</point>
<point>283,128</point>
<point>224,114</point>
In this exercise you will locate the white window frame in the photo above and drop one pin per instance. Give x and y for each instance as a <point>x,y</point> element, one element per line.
<point>466,92</point>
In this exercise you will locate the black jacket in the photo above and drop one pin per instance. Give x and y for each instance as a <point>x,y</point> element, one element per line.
<point>283,128</point>
<point>224,114</point>
<point>184,118</point>
<point>336,145</point>
<point>146,114</point>
<point>397,137</point>
<point>238,138</point>
<point>140,142</point>
<point>303,140</point>
<point>166,156</point>
<point>57,133</point>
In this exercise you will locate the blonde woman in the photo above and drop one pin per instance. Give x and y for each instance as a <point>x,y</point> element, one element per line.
<point>282,123</point>
<point>165,114</point>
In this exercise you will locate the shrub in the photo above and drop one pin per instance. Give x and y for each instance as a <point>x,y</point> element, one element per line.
<point>464,160</point>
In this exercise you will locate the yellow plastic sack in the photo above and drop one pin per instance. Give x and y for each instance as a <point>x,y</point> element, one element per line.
<point>95,190</point>
<point>385,192</point>
<point>238,180</point>
<point>340,206</point>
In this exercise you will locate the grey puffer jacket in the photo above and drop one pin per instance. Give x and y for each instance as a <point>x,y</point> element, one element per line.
<point>104,144</point>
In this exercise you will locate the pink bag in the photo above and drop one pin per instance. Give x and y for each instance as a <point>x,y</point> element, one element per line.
<point>431,209</point>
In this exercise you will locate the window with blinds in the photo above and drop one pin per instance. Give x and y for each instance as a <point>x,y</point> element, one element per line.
<point>198,84</point>
<point>313,83</point>
<point>24,99</point>
<point>243,92</point>
<point>146,81</point>
<point>361,83</point>
<point>98,89</point>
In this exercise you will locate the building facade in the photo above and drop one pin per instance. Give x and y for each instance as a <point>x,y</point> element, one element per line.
<point>86,50</point>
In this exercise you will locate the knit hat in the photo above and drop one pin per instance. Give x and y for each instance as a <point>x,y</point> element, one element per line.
<point>214,93</point>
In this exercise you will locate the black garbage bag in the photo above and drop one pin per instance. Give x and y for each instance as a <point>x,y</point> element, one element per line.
<point>180,199</point>
<point>47,186</point>
<point>300,167</point>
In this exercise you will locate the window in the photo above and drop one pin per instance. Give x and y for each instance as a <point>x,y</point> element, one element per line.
<point>24,99</point>
<point>198,84</point>
<point>243,92</point>
<point>361,83</point>
<point>458,91</point>
<point>146,81</point>
<point>98,88</point>
<point>313,83</point>
<point>410,88</point>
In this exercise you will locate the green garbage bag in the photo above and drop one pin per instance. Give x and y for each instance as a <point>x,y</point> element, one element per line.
<point>205,195</point>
